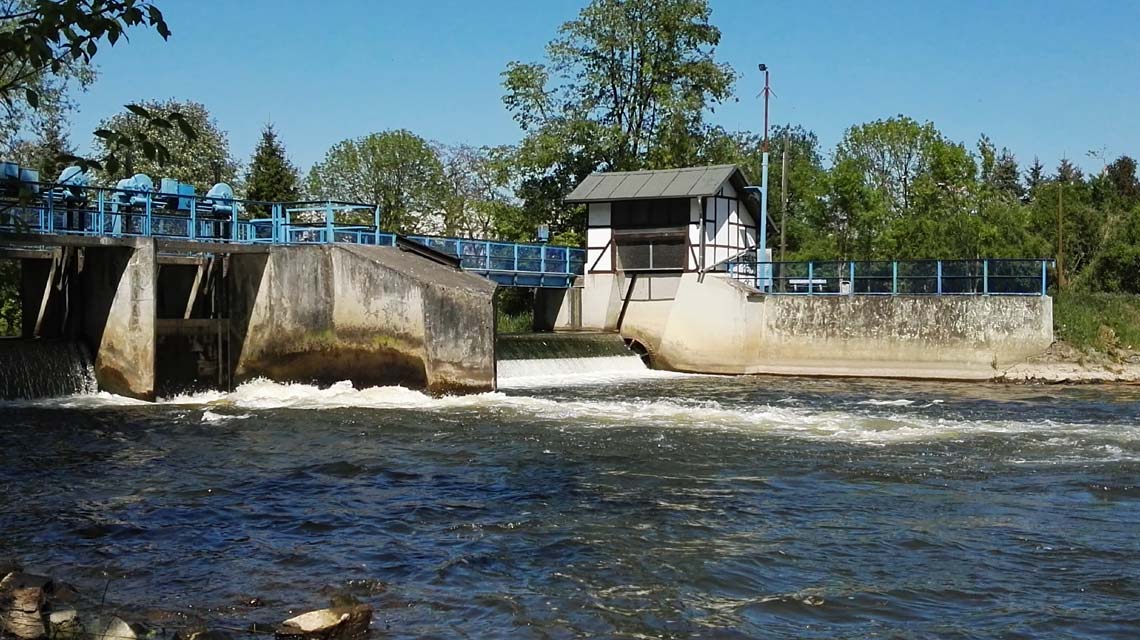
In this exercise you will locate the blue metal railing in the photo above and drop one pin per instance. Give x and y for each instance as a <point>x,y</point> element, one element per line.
<point>97,211</point>
<point>897,277</point>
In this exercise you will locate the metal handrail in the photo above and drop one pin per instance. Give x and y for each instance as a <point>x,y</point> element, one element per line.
<point>43,208</point>
<point>1012,277</point>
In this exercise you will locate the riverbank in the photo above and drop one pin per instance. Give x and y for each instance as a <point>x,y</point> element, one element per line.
<point>1097,335</point>
<point>1065,363</point>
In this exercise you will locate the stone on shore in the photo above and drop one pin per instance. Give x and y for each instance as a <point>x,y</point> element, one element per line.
<point>115,628</point>
<point>336,623</point>
<point>24,596</point>
<point>65,625</point>
<point>206,634</point>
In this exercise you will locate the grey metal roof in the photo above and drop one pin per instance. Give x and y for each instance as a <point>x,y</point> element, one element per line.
<point>691,182</point>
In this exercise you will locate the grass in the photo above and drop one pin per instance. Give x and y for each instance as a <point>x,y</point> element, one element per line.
<point>522,322</point>
<point>1101,321</point>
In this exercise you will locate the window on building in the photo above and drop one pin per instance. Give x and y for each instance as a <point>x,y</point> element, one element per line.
<point>648,214</point>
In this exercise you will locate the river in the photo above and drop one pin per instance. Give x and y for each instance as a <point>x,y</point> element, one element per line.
<point>626,505</point>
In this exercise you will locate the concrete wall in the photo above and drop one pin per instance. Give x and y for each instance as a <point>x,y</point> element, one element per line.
<point>117,287</point>
<point>719,326</point>
<point>373,315</point>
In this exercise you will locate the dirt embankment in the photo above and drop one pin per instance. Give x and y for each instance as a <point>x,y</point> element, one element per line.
<point>1064,363</point>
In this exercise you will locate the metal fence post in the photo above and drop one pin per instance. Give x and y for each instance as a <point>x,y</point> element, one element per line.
<point>938,276</point>
<point>542,258</point>
<point>851,286</point>
<point>811,277</point>
<point>148,221</point>
<point>1044,268</point>
<point>328,221</point>
<point>894,277</point>
<point>487,256</point>
<point>986,277</point>
<point>516,252</point>
<point>193,221</point>
<point>376,223</point>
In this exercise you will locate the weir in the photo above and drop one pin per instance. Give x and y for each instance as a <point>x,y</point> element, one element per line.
<point>44,369</point>
<point>547,355</point>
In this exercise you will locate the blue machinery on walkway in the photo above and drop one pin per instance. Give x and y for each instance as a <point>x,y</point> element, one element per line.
<point>174,212</point>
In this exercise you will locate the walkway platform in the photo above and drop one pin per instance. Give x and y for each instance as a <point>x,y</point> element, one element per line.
<point>199,224</point>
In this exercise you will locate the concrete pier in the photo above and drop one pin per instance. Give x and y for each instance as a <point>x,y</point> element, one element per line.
<point>160,317</point>
<point>373,315</point>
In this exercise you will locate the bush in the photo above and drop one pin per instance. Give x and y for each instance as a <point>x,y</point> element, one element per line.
<point>1102,321</point>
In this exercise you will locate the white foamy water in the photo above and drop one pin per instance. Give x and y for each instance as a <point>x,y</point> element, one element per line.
<point>877,422</point>
<point>539,372</point>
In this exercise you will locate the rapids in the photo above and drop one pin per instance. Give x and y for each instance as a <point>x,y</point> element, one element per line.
<point>619,503</point>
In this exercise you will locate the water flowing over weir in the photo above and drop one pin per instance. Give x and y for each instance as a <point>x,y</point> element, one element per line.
<point>538,357</point>
<point>44,368</point>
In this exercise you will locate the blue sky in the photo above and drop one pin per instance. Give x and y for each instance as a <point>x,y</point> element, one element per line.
<point>1046,78</point>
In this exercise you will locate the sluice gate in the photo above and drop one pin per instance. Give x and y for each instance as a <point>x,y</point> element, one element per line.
<point>160,318</point>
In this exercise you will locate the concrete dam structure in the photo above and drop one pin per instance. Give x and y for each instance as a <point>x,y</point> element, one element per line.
<point>673,266</point>
<point>717,325</point>
<point>158,320</point>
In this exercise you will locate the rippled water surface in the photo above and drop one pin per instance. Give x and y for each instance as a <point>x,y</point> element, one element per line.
<point>663,506</point>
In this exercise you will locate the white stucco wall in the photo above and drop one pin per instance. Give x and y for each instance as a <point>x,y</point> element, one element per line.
<point>599,256</point>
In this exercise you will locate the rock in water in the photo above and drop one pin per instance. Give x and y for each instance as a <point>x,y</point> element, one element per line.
<point>203,634</point>
<point>337,623</point>
<point>24,596</point>
<point>114,628</point>
<point>65,625</point>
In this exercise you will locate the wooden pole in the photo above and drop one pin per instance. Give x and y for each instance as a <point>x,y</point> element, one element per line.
<point>1060,238</point>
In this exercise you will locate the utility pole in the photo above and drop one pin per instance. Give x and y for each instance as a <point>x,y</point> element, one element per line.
<point>784,199</point>
<point>764,273</point>
<point>1060,239</point>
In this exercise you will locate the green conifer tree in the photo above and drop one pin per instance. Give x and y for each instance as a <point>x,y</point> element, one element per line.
<point>271,177</point>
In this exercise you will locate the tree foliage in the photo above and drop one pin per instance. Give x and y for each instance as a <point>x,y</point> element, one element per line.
<point>626,85</point>
<point>397,170</point>
<point>161,150</point>
<point>271,177</point>
<point>46,46</point>
<point>475,200</point>
<point>48,151</point>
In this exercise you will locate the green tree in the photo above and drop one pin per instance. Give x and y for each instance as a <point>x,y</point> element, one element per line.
<point>10,311</point>
<point>892,154</point>
<point>46,49</point>
<point>1121,175</point>
<point>924,186</point>
<point>807,181</point>
<point>1069,172</point>
<point>271,177</point>
<point>48,152</point>
<point>397,170</point>
<point>626,86</point>
<point>200,161</point>
<point>999,171</point>
<point>476,196</point>
<point>1034,176</point>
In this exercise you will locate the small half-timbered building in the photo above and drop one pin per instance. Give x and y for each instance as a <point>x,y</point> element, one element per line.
<point>668,220</point>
